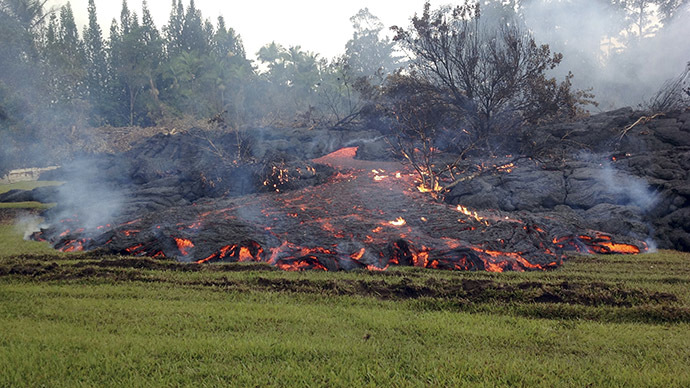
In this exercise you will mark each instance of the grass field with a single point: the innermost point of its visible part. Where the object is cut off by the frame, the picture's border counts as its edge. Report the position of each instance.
(91, 320)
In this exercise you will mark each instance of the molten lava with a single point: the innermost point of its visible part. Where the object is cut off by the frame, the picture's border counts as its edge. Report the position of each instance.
(364, 217)
(184, 245)
(398, 222)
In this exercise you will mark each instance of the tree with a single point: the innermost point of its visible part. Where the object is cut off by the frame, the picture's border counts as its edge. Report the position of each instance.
(193, 36)
(65, 73)
(20, 22)
(495, 78)
(420, 118)
(173, 30)
(232, 73)
(135, 55)
(669, 9)
(20, 89)
(96, 63)
(646, 17)
(367, 54)
(293, 78)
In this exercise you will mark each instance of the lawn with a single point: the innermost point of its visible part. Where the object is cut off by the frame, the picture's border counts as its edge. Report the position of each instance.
(92, 320)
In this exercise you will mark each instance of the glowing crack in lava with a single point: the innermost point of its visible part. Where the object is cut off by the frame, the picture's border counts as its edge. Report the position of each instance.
(369, 215)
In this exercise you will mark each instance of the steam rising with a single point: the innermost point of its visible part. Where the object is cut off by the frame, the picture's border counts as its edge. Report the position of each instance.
(28, 225)
(630, 190)
(86, 197)
(587, 33)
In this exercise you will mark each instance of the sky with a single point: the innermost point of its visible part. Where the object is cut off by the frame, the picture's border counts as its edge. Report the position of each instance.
(315, 25)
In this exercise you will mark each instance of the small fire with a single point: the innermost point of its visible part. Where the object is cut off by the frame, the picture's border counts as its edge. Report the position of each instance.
(506, 167)
(620, 248)
(184, 245)
(472, 214)
(423, 188)
(398, 222)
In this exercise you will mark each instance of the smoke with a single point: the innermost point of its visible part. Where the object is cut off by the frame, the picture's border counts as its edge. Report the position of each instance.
(28, 224)
(631, 191)
(87, 197)
(604, 55)
(618, 186)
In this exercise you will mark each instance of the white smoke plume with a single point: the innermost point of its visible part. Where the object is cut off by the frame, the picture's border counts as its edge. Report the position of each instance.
(621, 69)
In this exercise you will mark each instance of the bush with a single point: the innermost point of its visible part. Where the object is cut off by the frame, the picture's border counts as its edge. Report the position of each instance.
(494, 77)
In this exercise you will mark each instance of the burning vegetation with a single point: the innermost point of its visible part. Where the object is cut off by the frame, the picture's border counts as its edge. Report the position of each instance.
(368, 215)
(469, 158)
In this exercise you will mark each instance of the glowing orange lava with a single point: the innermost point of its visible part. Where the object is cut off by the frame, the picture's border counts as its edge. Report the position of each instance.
(398, 222)
(184, 245)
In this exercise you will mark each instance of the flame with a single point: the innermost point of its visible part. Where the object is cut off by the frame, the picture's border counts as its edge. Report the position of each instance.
(248, 251)
(371, 267)
(420, 259)
(423, 188)
(506, 167)
(184, 245)
(398, 222)
(472, 214)
(621, 248)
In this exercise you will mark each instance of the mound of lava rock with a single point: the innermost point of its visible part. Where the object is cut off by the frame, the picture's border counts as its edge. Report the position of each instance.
(623, 172)
(363, 217)
(303, 199)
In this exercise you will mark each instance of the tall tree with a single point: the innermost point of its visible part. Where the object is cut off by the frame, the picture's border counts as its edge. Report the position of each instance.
(152, 44)
(96, 62)
(173, 30)
(64, 53)
(367, 53)
(134, 50)
(193, 37)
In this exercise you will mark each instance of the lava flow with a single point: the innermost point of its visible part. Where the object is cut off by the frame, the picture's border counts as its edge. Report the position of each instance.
(369, 215)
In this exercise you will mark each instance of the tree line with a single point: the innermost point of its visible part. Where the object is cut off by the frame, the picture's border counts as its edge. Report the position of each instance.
(476, 66)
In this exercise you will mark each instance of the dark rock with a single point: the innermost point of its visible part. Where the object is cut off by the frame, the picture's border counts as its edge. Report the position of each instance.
(625, 220)
(44, 194)
(535, 189)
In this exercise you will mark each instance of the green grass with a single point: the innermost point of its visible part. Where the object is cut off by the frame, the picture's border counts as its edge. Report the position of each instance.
(30, 185)
(12, 243)
(85, 320)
